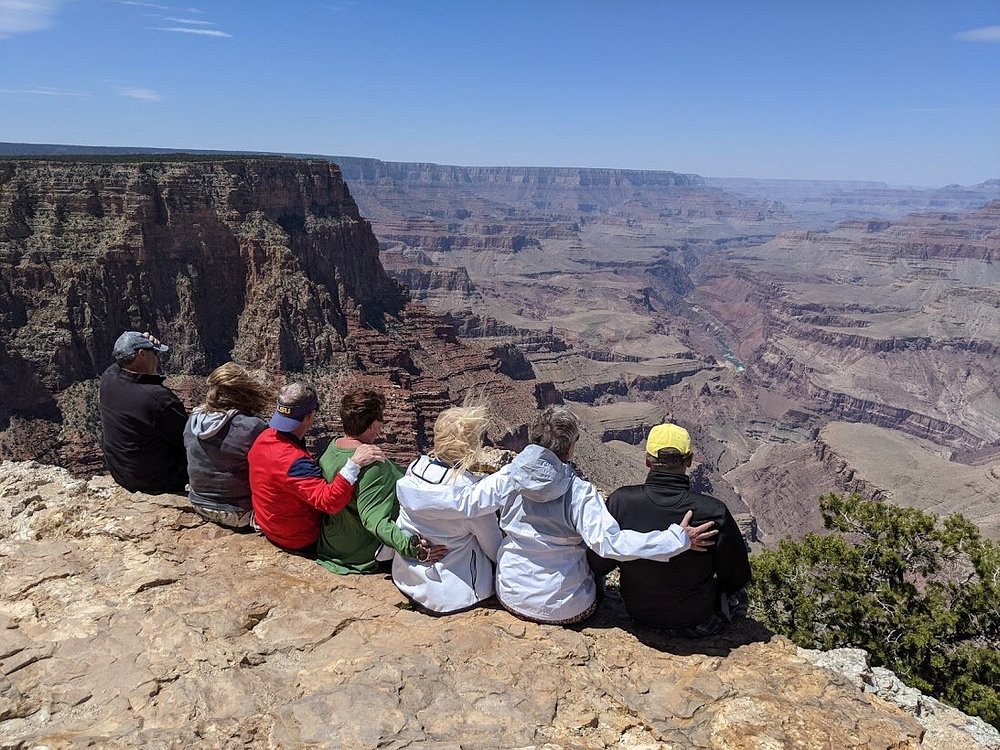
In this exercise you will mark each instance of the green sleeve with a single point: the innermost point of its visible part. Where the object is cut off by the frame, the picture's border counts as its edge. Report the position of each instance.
(377, 507)
(331, 461)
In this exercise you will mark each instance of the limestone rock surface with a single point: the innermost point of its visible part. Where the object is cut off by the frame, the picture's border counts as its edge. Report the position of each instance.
(126, 621)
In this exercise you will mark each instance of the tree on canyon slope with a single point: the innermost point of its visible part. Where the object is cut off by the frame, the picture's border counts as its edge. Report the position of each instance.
(920, 593)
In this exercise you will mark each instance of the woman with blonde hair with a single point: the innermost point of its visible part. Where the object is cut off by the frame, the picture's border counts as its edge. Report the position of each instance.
(217, 436)
(440, 499)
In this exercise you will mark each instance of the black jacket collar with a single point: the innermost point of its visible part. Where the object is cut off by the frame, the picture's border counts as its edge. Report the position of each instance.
(668, 482)
(137, 377)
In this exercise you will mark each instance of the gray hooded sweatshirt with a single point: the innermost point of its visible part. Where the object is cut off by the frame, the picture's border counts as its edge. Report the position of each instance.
(551, 520)
(217, 445)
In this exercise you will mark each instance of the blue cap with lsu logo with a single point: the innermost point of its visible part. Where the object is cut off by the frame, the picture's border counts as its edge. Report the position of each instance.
(289, 417)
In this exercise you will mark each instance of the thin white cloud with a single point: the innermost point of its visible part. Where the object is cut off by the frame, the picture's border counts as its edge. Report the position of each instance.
(927, 109)
(186, 30)
(24, 16)
(140, 94)
(139, 4)
(192, 21)
(984, 34)
(42, 92)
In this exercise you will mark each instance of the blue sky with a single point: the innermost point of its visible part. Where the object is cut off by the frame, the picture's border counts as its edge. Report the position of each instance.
(904, 92)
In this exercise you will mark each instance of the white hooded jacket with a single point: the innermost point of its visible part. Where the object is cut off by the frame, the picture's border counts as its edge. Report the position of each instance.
(459, 512)
(551, 519)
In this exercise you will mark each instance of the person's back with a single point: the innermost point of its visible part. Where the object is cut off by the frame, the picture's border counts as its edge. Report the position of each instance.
(288, 491)
(551, 521)
(434, 503)
(217, 444)
(142, 420)
(690, 593)
(350, 540)
(541, 566)
(218, 436)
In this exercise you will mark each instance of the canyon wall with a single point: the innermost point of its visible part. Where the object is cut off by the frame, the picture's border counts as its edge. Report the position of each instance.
(746, 318)
(266, 261)
(729, 309)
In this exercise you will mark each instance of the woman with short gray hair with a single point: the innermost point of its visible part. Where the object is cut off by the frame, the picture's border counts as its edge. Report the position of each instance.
(554, 517)
(558, 429)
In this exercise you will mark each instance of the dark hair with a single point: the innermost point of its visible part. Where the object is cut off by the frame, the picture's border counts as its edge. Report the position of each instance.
(670, 459)
(556, 428)
(360, 408)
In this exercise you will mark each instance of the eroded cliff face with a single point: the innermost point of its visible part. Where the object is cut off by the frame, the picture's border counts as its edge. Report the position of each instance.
(891, 325)
(264, 261)
(126, 620)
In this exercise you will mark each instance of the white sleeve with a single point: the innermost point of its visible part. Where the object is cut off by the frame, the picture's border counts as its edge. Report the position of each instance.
(601, 532)
(350, 471)
(487, 532)
(488, 495)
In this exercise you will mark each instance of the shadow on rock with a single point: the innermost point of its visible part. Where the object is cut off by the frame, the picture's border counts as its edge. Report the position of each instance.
(612, 614)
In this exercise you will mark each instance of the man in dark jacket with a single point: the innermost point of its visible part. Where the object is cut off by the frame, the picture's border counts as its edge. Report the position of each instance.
(693, 595)
(143, 421)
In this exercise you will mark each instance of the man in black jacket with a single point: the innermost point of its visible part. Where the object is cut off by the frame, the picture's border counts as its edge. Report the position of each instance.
(143, 421)
(694, 595)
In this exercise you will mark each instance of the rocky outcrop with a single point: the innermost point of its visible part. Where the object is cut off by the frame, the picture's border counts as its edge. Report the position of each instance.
(125, 620)
(846, 477)
(262, 257)
(262, 260)
(946, 726)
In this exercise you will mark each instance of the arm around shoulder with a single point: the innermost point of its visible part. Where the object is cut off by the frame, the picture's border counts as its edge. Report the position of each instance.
(306, 480)
(488, 495)
(602, 534)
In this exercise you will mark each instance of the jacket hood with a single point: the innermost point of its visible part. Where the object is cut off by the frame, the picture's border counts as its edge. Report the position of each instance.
(205, 424)
(429, 487)
(539, 474)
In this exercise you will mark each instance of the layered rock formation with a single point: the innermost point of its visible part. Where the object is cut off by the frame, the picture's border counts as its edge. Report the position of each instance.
(889, 324)
(266, 261)
(609, 287)
(766, 330)
(126, 621)
(824, 203)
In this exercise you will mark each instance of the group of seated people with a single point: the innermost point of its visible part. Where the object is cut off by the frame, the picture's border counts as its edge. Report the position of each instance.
(533, 534)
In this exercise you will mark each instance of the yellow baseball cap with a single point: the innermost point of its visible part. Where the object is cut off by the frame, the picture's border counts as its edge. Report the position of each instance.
(668, 436)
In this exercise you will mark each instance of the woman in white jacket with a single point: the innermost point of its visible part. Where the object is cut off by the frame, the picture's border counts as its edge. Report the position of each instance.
(551, 519)
(440, 499)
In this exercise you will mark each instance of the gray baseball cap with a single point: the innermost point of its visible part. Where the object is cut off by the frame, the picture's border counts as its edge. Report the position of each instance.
(132, 341)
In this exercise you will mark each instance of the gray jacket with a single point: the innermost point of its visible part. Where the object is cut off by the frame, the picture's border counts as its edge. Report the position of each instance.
(550, 522)
(217, 446)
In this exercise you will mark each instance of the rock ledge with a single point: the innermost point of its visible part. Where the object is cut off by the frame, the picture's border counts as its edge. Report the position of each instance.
(127, 621)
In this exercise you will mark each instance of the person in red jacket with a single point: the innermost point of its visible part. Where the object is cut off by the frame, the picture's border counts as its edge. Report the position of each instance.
(289, 492)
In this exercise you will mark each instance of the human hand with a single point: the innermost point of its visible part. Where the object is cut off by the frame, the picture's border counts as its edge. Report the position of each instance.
(368, 454)
(428, 552)
(152, 339)
(700, 536)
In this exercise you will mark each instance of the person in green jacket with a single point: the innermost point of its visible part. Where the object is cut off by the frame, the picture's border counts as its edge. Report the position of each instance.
(350, 540)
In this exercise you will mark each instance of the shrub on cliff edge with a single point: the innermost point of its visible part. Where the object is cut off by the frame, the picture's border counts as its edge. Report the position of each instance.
(921, 594)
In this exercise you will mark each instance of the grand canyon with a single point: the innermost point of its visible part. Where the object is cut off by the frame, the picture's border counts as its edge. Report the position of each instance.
(809, 350)
(814, 337)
